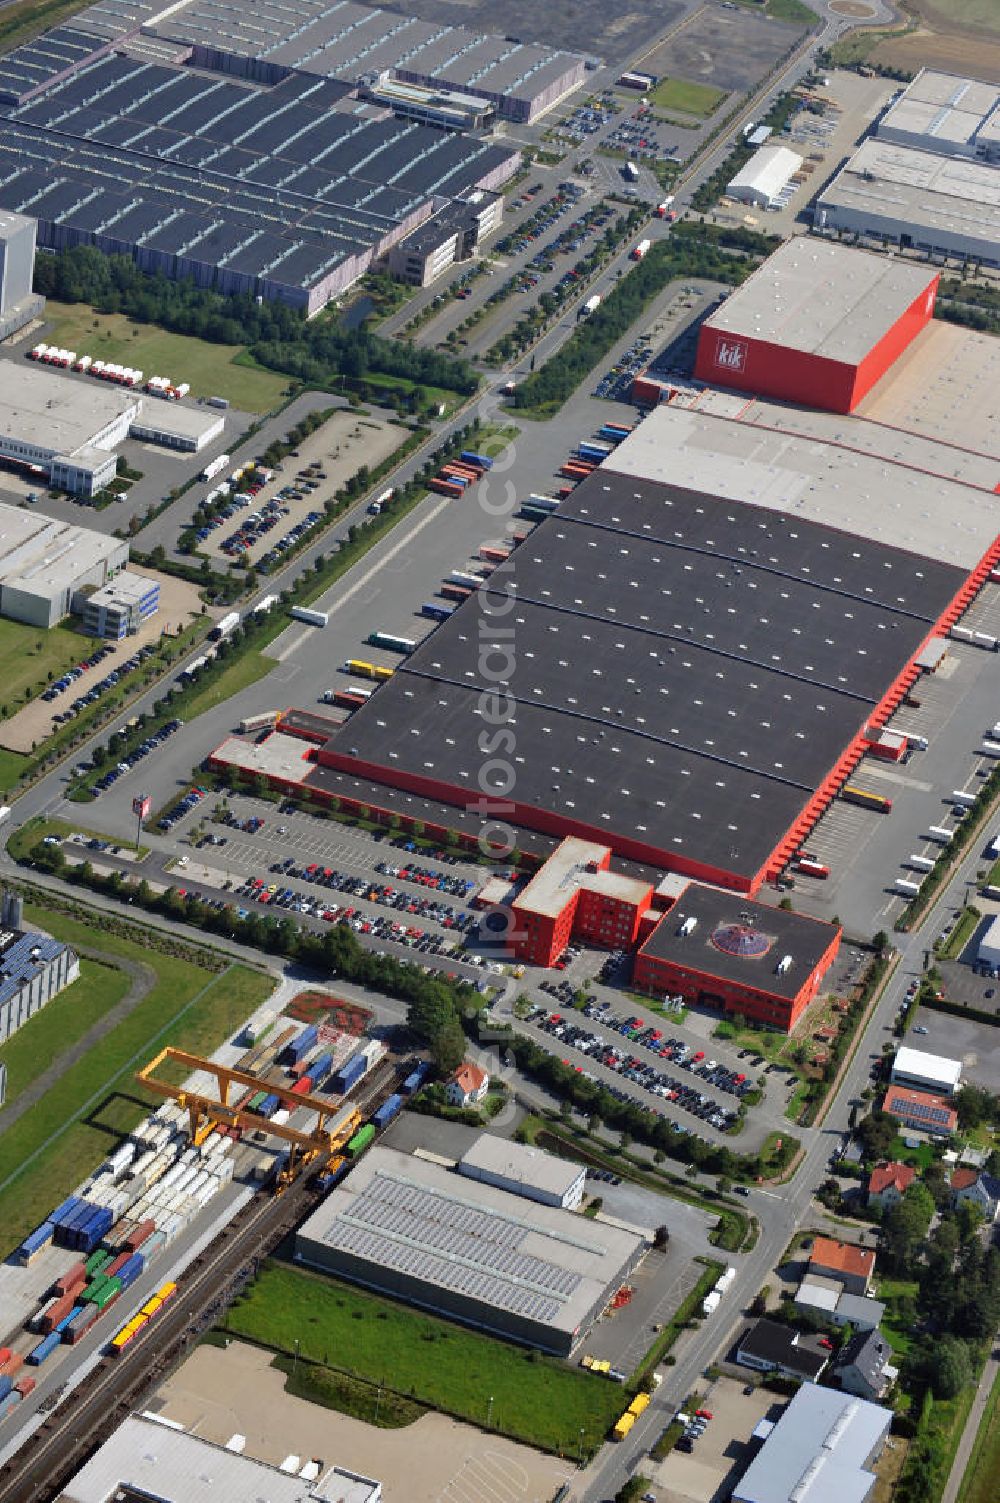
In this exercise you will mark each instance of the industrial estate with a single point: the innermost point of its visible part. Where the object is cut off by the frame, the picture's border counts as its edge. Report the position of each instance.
(499, 753)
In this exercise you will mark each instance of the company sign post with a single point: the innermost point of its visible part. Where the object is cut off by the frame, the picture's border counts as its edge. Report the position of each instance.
(141, 805)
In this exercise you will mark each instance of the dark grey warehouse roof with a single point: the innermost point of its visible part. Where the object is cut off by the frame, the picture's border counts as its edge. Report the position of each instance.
(725, 935)
(281, 184)
(685, 670)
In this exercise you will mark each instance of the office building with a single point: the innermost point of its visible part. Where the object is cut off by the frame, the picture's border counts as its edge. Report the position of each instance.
(60, 431)
(121, 607)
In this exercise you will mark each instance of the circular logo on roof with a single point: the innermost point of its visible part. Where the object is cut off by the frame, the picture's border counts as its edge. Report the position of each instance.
(742, 941)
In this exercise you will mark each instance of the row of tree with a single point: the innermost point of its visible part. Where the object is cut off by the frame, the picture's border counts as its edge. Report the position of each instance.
(319, 352)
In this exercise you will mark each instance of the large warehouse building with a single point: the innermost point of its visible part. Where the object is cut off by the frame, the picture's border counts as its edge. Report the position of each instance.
(34, 968)
(418, 1231)
(942, 205)
(775, 584)
(943, 113)
(818, 323)
(49, 568)
(824, 1448)
(62, 431)
(763, 179)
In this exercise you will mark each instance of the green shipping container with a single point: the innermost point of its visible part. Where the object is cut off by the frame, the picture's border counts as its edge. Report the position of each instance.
(97, 1260)
(361, 1139)
(255, 1101)
(107, 1292)
(94, 1287)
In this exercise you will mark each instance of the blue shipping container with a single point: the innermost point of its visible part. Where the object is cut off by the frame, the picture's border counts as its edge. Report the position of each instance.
(130, 1271)
(410, 1084)
(387, 1111)
(320, 1069)
(6, 1384)
(268, 1106)
(62, 1211)
(348, 1075)
(469, 456)
(44, 1349)
(67, 1318)
(300, 1046)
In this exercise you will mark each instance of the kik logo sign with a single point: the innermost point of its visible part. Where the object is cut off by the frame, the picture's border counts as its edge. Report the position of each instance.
(731, 354)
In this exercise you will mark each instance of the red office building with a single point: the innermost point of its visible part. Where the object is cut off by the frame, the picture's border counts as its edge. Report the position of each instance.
(575, 896)
(719, 950)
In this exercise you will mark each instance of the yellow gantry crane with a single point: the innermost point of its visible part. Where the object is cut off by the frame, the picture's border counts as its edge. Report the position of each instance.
(334, 1124)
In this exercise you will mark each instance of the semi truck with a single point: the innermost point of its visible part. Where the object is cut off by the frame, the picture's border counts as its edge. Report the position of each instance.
(851, 794)
(640, 250)
(310, 617)
(591, 305)
(215, 467)
(225, 626)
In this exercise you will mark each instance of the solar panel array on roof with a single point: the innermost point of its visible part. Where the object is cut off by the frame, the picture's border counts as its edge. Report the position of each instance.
(22, 961)
(686, 672)
(43, 59)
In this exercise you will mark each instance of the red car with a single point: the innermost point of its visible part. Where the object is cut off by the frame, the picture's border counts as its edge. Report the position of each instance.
(825, 1341)
(703, 1414)
(699, 1056)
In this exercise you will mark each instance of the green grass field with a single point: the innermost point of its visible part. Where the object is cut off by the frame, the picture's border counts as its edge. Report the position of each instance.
(60, 1023)
(241, 673)
(535, 1399)
(210, 369)
(12, 765)
(979, 1485)
(28, 835)
(690, 98)
(29, 656)
(79, 1120)
(897, 1326)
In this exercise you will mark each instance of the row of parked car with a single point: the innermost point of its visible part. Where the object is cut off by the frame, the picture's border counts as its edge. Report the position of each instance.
(289, 540)
(641, 1032)
(377, 892)
(72, 674)
(630, 1067)
(190, 800)
(102, 687)
(519, 240)
(141, 752)
(695, 1426)
(273, 895)
(425, 876)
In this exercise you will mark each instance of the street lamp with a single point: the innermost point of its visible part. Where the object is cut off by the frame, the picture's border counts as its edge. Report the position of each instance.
(489, 1412)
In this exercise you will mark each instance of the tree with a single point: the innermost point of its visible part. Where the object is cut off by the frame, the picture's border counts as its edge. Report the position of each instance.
(949, 1368)
(905, 1228)
(876, 1134)
(880, 942)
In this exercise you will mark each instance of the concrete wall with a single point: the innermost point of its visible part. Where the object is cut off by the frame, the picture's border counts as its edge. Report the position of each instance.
(32, 997)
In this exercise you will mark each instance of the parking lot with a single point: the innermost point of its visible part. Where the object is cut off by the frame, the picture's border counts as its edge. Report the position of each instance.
(723, 1450)
(976, 1044)
(666, 347)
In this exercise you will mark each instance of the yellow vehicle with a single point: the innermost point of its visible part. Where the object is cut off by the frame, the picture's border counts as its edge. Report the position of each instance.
(624, 1425)
(381, 674)
(639, 1404)
(359, 667)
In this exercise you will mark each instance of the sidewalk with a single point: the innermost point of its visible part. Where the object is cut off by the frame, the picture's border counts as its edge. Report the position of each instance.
(971, 1430)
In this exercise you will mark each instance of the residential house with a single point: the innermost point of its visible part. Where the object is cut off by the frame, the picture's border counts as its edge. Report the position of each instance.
(975, 1187)
(863, 1366)
(888, 1183)
(770, 1347)
(921, 1111)
(850, 1265)
(468, 1085)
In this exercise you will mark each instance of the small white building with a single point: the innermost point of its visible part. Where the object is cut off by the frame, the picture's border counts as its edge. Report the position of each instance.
(926, 1072)
(524, 1171)
(765, 176)
(467, 1086)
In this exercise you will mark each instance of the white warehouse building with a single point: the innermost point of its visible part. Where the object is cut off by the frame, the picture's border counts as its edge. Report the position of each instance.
(926, 1072)
(942, 205)
(48, 567)
(947, 114)
(33, 969)
(62, 430)
(765, 176)
(524, 1171)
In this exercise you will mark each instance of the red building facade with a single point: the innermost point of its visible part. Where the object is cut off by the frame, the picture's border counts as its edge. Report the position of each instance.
(575, 895)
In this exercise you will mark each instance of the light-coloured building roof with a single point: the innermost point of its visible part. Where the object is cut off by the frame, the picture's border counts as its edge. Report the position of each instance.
(409, 1217)
(767, 172)
(175, 420)
(822, 298)
(806, 471)
(53, 412)
(124, 590)
(575, 863)
(926, 194)
(518, 1163)
(860, 1308)
(818, 1451)
(39, 552)
(937, 1069)
(279, 756)
(176, 1467)
(819, 1294)
(943, 112)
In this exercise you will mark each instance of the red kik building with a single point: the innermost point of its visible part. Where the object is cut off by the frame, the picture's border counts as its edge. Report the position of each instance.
(574, 895)
(718, 950)
(818, 324)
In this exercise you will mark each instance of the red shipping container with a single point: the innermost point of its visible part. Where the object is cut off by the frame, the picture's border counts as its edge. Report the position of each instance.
(71, 1279)
(13, 1365)
(25, 1386)
(303, 1086)
(54, 1314)
(144, 1230)
(4, 1354)
(297, 1070)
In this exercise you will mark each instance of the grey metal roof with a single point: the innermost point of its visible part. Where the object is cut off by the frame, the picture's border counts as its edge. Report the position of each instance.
(180, 1468)
(518, 1163)
(414, 1218)
(818, 1452)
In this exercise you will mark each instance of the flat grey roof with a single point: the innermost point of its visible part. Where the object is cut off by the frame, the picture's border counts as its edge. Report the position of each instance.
(417, 1219)
(516, 1161)
(919, 190)
(173, 419)
(183, 1468)
(817, 1451)
(812, 476)
(567, 870)
(822, 298)
(947, 110)
(40, 553)
(55, 412)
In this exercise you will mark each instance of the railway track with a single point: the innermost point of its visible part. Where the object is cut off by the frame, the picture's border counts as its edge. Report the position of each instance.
(83, 1419)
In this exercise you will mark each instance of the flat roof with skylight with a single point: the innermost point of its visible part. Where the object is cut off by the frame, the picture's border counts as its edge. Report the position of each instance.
(822, 298)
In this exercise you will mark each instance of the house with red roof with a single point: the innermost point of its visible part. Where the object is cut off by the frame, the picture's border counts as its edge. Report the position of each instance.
(468, 1085)
(888, 1183)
